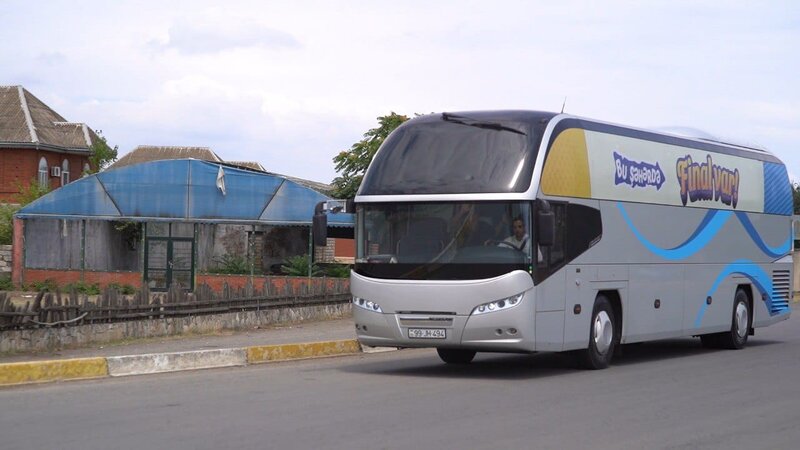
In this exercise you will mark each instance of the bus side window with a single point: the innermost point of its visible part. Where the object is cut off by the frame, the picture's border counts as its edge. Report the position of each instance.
(578, 227)
(553, 256)
(584, 230)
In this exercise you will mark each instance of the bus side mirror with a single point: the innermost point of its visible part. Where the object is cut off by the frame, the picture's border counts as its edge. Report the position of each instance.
(319, 226)
(545, 225)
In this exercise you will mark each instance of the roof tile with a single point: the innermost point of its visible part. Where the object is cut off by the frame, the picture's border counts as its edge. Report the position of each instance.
(49, 127)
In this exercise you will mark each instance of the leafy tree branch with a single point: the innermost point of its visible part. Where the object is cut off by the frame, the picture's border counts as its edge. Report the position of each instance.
(352, 164)
(102, 155)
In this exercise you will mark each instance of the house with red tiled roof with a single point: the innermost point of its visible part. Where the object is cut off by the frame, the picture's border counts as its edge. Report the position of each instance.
(38, 144)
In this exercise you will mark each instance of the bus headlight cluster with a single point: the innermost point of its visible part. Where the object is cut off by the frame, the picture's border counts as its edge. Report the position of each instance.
(367, 304)
(498, 305)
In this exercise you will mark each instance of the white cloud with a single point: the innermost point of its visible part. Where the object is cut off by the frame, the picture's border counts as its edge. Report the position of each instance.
(289, 84)
(189, 38)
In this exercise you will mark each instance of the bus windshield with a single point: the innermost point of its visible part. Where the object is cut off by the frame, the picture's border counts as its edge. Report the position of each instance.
(443, 240)
(454, 155)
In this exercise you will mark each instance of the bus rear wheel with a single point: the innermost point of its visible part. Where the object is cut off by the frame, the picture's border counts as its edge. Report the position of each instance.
(455, 356)
(603, 336)
(736, 338)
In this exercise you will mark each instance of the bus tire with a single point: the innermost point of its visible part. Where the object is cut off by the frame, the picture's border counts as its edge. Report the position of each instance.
(736, 338)
(603, 336)
(455, 356)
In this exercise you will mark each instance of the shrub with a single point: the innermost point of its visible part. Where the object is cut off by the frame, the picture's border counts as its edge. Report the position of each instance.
(124, 289)
(6, 284)
(297, 266)
(7, 224)
(338, 270)
(231, 265)
(47, 285)
(27, 194)
(83, 288)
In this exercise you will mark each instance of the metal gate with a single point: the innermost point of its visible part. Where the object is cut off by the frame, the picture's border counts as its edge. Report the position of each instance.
(169, 256)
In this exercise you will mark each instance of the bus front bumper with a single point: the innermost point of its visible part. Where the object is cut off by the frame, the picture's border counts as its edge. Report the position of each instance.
(499, 334)
(453, 322)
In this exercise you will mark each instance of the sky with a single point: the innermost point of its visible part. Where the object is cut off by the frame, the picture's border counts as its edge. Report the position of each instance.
(290, 84)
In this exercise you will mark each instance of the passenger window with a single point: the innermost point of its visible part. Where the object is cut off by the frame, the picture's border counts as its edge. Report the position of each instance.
(578, 227)
(552, 257)
(584, 229)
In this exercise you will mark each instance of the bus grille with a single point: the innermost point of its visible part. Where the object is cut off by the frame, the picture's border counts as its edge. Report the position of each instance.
(780, 291)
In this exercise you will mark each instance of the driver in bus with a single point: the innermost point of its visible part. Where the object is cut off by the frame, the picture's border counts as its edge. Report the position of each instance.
(520, 240)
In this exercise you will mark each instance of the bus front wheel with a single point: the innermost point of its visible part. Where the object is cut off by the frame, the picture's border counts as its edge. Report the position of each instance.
(603, 336)
(455, 356)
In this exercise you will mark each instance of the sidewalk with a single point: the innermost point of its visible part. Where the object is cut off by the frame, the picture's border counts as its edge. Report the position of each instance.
(188, 352)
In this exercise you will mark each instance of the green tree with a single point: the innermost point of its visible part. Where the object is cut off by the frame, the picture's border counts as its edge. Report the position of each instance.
(30, 192)
(102, 155)
(26, 195)
(796, 197)
(351, 164)
(7, 224)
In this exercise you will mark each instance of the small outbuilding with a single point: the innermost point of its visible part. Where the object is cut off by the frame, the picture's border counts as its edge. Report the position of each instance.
(167, 222)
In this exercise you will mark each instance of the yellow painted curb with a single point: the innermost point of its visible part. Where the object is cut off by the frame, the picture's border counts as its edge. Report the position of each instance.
(265, 353)
(55, 370)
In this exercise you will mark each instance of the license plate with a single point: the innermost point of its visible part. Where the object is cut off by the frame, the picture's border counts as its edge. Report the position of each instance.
(427, 333)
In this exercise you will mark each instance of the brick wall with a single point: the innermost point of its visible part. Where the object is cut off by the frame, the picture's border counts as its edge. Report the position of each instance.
(62, 277)
(345, 248)
(216, 282)
(21, 165)
(337, 250)
(325, 254)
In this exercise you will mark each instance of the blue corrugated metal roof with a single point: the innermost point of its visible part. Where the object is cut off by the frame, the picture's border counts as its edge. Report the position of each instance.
(184, 189)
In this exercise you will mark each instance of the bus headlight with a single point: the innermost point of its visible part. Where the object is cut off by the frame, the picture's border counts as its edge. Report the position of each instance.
(498, 305)
(367, 304)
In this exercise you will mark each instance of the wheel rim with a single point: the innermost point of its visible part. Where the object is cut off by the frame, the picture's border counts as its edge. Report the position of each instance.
(603, 332)
(741, 320)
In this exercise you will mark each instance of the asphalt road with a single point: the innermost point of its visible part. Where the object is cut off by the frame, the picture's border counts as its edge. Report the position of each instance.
(670, 394)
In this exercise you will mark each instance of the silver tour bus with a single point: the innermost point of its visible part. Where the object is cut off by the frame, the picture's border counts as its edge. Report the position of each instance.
(523, 231)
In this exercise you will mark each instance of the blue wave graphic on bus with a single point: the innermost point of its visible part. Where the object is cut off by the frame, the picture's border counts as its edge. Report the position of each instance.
(774, 252)
(706, 230)
(703, 234)
(754, 273)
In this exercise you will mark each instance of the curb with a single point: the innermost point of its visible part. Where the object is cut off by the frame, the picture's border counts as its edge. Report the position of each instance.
(56, 370)
(285, 352)
(120, 366)
(12, 374)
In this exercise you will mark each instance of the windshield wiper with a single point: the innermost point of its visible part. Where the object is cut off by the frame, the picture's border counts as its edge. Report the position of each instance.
(454, 118)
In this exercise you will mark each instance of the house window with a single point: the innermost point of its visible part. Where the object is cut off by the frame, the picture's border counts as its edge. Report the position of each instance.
(64, 172)
(44, 179)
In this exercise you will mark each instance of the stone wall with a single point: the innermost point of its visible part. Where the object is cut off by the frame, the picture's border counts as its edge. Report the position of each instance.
(49, 339)
(5, 258)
